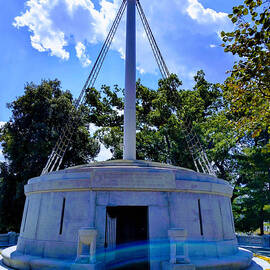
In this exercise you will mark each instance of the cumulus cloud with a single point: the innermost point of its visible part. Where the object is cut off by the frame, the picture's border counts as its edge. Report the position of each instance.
(204, 15)
(212, 46)
(45, 37)
(81, 54)
(55, 25)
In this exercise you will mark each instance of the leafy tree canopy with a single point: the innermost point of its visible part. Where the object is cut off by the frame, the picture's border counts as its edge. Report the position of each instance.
(248, 86)
(29, 137)
(251, 206)
(160, 120)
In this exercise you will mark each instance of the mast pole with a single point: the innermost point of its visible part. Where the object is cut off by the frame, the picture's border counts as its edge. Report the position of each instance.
(130, 84)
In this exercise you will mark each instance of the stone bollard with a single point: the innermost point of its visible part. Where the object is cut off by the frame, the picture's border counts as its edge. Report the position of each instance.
(12, 238)
(178, 261)
(178, 237)
(87, 236)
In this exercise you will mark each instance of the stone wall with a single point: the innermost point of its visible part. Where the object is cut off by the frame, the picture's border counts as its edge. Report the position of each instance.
(254, 240)
(8, 239)
(58, 205)
(51, 220)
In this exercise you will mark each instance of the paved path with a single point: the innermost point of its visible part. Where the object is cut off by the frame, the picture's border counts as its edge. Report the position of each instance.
(261, 264)
(257, 264)
(2, 266)
(258, 250)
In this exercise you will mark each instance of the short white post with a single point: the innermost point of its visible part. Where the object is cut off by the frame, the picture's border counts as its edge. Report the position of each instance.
(87, 236)
(178, 236)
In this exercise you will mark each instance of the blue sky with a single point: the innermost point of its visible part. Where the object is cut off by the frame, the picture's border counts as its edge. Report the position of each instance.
(61, 38)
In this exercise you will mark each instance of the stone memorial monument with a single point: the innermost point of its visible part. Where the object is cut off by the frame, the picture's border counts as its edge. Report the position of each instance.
(127, 214)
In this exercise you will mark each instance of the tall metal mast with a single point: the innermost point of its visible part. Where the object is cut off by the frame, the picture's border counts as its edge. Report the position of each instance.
(198, 154)
(130, 84)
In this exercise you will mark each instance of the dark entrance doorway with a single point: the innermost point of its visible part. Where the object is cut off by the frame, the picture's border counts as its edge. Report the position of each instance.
(130, 226)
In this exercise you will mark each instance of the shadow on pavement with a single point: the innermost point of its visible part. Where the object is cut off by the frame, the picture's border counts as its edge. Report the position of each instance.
(254, 266)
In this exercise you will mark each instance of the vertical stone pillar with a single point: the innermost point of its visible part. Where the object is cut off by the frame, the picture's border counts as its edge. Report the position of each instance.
(130, 84)
(92, 214)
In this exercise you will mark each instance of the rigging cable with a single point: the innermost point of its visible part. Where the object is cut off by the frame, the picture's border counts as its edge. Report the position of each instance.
(197, 152)
(199, 156)
(56, 157)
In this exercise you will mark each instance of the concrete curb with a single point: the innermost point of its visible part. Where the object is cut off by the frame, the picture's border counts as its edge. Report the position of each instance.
(259, 264)
(240, 260)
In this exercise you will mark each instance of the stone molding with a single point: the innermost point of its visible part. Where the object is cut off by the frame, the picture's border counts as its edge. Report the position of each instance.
(128, 176)
(27, 193)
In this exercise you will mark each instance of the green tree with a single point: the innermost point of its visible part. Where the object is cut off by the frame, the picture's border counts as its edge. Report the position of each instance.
(160, 115)
(106, 112)
(29, 137)
(252, 203)
(248, 86)
(247, 96)
(158, 121)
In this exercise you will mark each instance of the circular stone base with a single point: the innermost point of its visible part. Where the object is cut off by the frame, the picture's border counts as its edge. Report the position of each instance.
(241, 260)
(163, 199)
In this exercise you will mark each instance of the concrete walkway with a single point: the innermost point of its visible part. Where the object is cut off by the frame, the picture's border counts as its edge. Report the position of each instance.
(257, 264)
(257, 250)
(2, 266)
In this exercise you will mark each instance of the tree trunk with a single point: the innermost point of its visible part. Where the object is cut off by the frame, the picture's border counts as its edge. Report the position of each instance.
(168, 148)
(261, 222)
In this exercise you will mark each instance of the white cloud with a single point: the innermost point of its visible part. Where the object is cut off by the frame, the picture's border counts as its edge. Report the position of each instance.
(141, 70)
(1, 155)
(104, 154)
(92, 128)
(1, 152)
(212, 46)
(191, 74)
(56, 24)
(204, 15)
(81, 54)
(120, 112)
(45, 37)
